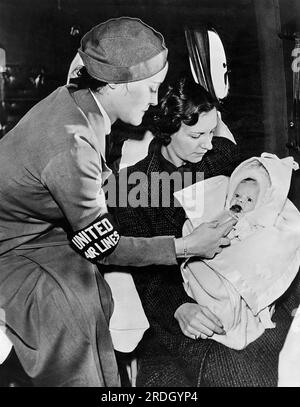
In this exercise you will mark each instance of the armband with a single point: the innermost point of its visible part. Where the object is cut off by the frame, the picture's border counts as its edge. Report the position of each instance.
(97, 240)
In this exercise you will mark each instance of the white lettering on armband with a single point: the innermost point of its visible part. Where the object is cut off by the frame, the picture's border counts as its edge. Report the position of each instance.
(97, 240)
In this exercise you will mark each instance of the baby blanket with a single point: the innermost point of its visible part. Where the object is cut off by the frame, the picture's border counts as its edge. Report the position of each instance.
(242, 282)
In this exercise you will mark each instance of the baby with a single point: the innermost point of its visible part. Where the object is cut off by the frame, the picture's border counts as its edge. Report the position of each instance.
(244, 199)
(241, 284)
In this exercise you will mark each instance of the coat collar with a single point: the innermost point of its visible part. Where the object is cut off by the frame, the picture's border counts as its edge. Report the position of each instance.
(107, 122)
(86, 102)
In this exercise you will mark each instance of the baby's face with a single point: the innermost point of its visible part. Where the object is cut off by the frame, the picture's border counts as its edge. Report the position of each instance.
(245, 197)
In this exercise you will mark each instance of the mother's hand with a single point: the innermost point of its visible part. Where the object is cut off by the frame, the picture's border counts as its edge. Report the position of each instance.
(198, 321)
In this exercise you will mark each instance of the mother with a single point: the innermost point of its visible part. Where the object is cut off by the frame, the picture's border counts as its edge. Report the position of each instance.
(175, 351)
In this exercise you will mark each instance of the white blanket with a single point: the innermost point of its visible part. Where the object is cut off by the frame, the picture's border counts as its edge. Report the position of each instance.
(289, 358)
(242, 282)
(5, 343)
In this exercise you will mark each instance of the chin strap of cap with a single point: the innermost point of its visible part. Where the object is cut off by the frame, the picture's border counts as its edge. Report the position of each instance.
(98, 239)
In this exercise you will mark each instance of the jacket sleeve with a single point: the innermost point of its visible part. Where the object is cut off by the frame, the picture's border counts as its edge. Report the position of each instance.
(142, 251)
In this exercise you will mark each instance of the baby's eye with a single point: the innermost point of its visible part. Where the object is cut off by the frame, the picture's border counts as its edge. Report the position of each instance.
(249, 199)
(153, 90)
(236, 195)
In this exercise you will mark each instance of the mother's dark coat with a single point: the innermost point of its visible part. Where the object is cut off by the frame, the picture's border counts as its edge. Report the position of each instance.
(166, 356)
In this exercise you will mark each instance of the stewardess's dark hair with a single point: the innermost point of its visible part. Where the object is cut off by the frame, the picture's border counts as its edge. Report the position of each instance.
(84, 80)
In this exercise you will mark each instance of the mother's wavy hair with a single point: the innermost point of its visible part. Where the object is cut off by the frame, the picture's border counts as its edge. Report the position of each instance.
(183, 102)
